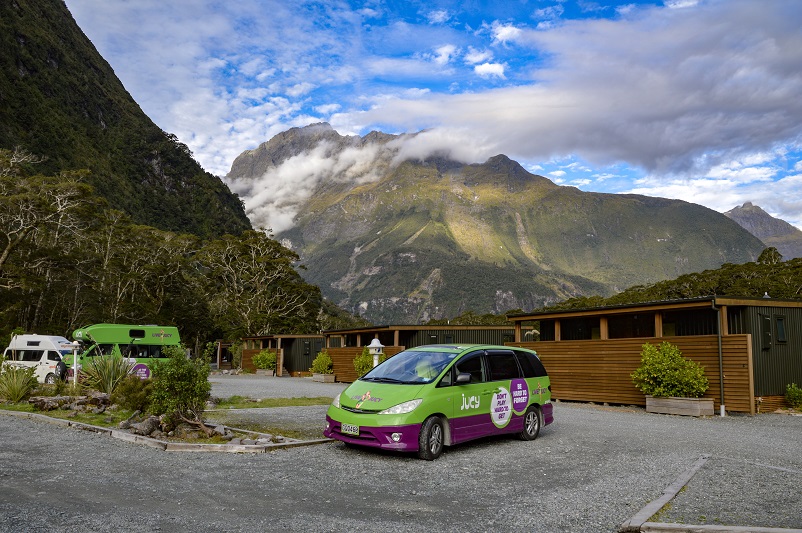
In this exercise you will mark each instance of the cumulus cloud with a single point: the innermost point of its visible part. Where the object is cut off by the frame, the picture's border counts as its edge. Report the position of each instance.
(444, 54)
(667, 90)
(487, 70)
(504, 33)
(474, 56)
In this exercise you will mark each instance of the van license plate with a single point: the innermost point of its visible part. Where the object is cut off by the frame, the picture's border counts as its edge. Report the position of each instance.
(350, 429)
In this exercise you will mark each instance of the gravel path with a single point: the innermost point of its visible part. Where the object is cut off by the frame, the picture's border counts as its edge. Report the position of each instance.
(590, 471)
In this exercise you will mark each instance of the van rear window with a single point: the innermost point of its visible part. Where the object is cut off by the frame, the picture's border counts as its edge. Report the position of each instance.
(530, 365)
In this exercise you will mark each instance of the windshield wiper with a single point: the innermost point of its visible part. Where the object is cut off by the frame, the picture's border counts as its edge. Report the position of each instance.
(384, 379)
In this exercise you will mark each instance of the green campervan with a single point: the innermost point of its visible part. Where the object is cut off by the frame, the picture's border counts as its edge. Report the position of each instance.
(141, 345)
(428, 397)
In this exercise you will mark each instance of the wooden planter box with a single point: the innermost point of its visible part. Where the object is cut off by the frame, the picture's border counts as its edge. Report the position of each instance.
(680, 406)
(323, 378)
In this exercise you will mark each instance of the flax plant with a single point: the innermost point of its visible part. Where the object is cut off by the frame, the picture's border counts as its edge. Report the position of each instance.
(105, 373)
(17, 383)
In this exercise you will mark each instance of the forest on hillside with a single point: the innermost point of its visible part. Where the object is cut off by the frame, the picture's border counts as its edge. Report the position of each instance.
(769, 276)
(69, 260)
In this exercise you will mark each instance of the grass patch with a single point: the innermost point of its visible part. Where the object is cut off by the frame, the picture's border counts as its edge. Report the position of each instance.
(241, 402)
(111, 419)
(107, 419)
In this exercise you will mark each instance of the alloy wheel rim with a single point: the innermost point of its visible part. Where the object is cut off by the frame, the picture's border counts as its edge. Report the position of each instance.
(436, 439)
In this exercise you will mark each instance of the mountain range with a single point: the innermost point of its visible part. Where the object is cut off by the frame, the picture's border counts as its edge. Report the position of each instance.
(387, 233)
(400, 240)
(60, 100)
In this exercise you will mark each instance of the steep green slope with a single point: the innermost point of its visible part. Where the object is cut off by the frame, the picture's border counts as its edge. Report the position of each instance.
(436, 238)
(60, 99)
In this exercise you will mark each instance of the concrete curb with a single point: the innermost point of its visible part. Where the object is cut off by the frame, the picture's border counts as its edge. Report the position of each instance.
(639, 523)
(634, 524)
(165, 445)
(658, 527)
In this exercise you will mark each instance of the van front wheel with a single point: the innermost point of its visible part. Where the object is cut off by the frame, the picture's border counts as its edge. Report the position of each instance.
(430, 440)
(50, 379)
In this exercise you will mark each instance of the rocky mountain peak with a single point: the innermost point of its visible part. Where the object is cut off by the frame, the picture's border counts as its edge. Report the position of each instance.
(772, 231)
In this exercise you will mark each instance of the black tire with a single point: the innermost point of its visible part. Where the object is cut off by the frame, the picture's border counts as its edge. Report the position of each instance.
(61, 370)
(533, 419)
(50, 379)
(431, 439)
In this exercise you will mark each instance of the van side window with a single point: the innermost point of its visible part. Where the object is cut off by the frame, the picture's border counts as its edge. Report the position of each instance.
(53, 356)
(502, 365)
(472, 364)
(448, 379)
(531, 365)
(31, 355)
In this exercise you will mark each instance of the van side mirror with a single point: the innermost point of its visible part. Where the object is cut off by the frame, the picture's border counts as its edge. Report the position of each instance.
(463, 377)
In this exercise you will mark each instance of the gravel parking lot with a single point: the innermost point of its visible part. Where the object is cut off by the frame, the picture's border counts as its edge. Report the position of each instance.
(590, 471)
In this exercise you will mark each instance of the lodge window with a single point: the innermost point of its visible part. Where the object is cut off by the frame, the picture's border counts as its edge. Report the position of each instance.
(765, 326)
(631, 326)
(579, 329)
(779, 327)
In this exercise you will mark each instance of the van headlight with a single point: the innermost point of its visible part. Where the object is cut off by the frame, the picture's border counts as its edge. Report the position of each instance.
(336, 401)
(402, 408)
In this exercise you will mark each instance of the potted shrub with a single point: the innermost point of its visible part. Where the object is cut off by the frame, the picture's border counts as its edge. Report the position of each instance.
(323, 368)
(265, 361)
(672, 384)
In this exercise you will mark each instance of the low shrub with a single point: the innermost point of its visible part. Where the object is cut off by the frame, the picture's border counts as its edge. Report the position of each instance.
(322, 364)
(364, 363)
(17, 383)
(665, 372)
(133, 393)
(180, 386)
(105, 373)
(265, 360)
(793, 395)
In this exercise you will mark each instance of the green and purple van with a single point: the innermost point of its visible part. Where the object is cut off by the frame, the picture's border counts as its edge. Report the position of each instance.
(428, 397)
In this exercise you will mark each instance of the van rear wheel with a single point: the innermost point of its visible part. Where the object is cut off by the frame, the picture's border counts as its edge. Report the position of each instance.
(532, 423)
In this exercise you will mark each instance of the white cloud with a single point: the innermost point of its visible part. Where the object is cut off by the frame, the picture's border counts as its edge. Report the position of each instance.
(439, 16)
(487, 70)
(444, 54)
(328, 109)
(504, 33)
(273, 200)
(474, 56)
(299, 89)
(671, 91)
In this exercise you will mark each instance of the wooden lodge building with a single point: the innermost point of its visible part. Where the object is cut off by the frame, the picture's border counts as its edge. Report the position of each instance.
(294, 353)
(751, 348)
(345, 344)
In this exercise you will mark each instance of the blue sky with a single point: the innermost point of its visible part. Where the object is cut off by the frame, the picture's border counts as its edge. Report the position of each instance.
(694, 100)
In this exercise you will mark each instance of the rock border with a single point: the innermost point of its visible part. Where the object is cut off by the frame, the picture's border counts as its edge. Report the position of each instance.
(166, 445)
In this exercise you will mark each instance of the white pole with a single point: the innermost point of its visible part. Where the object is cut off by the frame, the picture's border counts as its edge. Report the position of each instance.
(75, 365)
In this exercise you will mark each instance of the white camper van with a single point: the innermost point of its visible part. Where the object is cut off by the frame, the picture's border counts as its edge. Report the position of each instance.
(42, 352)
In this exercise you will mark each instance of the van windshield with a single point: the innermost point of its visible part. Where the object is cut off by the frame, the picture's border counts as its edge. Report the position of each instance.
(410, 367)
